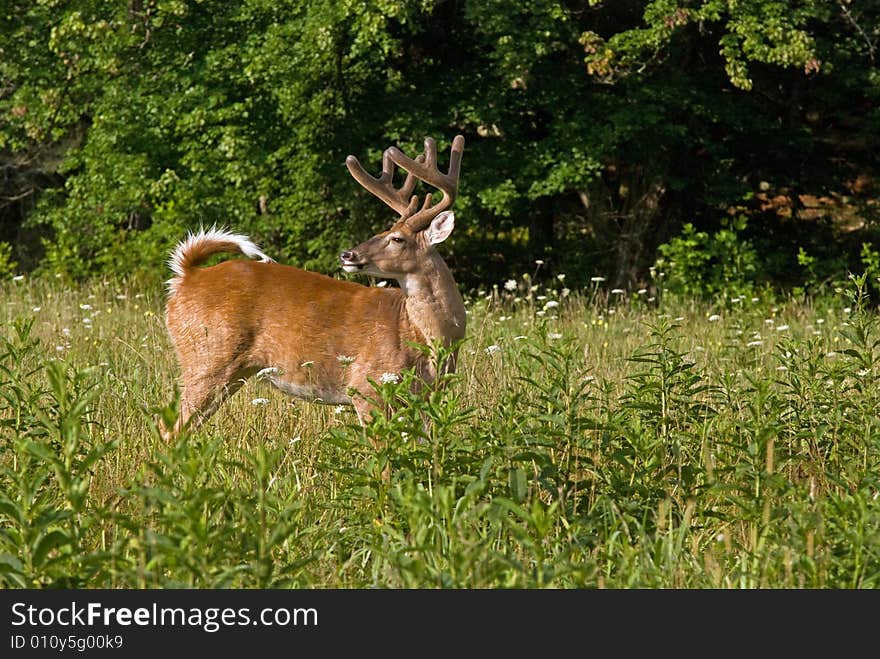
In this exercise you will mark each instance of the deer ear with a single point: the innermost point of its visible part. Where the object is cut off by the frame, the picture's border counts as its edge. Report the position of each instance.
(440, 227)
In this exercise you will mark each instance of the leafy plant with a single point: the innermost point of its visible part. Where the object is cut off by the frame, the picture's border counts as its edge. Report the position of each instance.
(700, 264)
(48, 470)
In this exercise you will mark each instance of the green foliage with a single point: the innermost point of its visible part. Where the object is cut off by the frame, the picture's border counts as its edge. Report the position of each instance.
(196, 502)
(594, 442)
(760, 31)
(700, 264)
(590, 132)
(49, 456)
(871, 263)
(7, 265)
(821, 269)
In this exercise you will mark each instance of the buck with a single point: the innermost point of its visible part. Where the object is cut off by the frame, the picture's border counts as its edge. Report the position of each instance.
(312, 336)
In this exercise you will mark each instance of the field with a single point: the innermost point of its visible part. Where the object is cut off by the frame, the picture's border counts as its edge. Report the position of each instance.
(591, 439)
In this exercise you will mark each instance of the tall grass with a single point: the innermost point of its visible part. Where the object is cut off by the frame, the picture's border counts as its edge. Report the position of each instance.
(589, 439)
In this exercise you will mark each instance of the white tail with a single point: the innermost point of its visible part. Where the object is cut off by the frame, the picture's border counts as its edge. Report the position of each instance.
(312, 336)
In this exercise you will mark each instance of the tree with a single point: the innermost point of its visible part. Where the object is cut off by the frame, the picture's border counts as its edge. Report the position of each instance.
(595, 130)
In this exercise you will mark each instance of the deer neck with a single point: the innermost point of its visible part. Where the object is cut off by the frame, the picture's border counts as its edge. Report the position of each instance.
(433, 303)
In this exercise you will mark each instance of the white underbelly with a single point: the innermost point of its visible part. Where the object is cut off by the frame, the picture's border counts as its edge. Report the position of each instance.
(310, 392)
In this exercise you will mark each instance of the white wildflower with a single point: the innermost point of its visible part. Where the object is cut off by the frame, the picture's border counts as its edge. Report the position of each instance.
(714, 318)
(339, 409)
(85, 307)
(260, 401)
(510, 285)
(36, 309)
(520, 337)
(345, 360)
(539, 262)
(642, 291)
(551, 304)
(597, 280)
(617, 291)
(752, 344)
(781, 328)
(389, 378)
(554, 336)
(18, 278)
(307, 364)
(492, 349)
(382, 284)
(272, 370)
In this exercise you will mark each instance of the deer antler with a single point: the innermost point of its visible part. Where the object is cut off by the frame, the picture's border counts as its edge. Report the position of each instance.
(424, 168)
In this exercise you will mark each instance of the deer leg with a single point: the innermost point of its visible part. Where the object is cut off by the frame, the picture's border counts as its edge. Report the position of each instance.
(202, 394)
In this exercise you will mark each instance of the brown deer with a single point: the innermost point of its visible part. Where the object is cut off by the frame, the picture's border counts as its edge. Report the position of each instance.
(312, 336)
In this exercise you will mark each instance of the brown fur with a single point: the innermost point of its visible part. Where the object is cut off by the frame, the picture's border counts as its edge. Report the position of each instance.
(229, 321)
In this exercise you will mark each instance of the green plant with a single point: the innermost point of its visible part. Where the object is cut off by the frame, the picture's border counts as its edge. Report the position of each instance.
(700, 264)
(596, 442)
(7, 265)
(50, 454)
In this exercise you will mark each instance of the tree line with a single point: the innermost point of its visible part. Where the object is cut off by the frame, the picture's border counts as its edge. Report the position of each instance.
(598, 133)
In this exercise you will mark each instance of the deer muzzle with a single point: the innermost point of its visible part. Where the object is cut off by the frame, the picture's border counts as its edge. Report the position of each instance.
(351, 261)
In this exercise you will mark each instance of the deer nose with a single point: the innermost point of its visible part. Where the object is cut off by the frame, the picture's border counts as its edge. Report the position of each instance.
(349, 255)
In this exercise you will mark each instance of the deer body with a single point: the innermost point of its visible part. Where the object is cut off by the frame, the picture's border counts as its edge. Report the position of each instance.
(312, 336)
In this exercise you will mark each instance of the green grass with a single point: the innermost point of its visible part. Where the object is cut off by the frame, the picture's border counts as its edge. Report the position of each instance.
(590, 439)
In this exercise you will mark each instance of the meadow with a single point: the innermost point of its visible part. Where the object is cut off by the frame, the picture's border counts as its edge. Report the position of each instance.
(591, 439)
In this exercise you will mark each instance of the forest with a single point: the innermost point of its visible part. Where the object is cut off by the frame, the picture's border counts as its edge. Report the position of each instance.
(735, 142)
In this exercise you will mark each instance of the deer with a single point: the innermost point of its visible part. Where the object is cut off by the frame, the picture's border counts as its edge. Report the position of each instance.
(312, 336)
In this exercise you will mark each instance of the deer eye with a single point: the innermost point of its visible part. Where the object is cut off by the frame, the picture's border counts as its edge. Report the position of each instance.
(397, 239)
